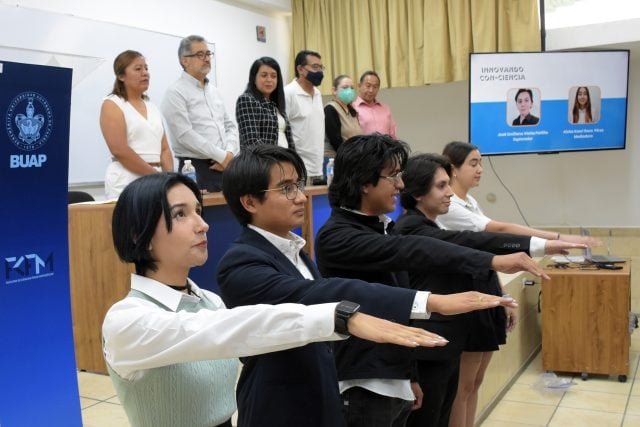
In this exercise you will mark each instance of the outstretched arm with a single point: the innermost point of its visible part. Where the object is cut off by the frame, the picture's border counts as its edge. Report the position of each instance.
(507, 227)
(466, 301)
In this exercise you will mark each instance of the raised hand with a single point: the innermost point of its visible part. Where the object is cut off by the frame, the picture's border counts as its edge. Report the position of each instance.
(561, 246)
(383, 331)
(466, 301)
(516, 262)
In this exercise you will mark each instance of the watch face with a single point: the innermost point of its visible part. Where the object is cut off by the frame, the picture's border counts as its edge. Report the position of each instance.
(348, 307)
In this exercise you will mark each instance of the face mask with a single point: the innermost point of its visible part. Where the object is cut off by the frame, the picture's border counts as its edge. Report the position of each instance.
(347, 95)
(315, 77)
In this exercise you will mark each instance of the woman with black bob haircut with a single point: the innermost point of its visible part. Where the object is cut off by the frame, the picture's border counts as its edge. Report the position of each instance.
(168, 334)
(260, 110)
(418, 177)
(251, 173)
(343, 191)
(134, 223)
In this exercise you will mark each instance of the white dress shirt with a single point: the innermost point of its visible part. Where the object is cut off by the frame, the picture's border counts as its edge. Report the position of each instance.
(306, 117)
(140, 335)
(198, 123)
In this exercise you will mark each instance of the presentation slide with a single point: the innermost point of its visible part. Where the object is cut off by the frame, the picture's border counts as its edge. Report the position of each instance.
(548, 101)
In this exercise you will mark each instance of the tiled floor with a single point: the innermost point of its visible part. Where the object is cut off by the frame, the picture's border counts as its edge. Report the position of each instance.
(600, 401)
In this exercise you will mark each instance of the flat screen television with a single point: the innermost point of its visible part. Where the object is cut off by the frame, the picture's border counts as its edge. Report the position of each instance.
(548, 102)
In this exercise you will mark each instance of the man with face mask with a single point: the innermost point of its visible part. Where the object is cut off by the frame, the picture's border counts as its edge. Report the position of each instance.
(306, 115)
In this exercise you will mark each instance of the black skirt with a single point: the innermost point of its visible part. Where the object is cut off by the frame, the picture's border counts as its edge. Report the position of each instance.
(487, 328)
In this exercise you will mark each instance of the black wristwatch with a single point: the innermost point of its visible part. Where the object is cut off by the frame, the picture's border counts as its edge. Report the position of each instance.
(344, 311)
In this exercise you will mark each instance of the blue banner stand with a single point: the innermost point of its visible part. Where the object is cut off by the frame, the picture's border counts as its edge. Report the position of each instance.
(37, 362)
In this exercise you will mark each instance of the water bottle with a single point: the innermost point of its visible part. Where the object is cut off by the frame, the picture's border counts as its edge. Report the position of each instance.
(189, 170)
(329, 171)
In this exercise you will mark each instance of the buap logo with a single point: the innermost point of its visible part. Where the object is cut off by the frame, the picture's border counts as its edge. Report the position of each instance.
(29, 121)
(27, 267)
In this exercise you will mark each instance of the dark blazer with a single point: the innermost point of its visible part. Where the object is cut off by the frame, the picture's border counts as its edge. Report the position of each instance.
(445, 281)
(529, 120)
(296, 387)
(258, 122)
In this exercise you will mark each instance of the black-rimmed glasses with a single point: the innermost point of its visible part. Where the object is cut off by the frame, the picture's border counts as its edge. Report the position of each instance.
(396, 177)
(200, 55)
(289, 190)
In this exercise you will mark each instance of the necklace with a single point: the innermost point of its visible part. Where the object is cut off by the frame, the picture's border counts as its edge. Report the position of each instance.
(186, 287)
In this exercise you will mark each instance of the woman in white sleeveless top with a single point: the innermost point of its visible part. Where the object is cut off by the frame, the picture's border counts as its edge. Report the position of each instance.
(132, 126)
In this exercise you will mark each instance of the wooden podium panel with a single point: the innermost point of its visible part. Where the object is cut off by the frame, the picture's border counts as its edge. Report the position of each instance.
(98, 280)
(585, 321)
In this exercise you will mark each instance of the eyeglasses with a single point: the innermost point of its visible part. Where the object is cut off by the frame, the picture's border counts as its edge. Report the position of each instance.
(200, 55)
(396, 177)
(316, 67)
(289, 190)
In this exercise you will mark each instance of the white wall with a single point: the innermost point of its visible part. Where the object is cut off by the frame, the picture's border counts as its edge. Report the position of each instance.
(599, 189)
(232, 29)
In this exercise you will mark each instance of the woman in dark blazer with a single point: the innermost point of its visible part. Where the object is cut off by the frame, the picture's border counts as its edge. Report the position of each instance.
(260, 110)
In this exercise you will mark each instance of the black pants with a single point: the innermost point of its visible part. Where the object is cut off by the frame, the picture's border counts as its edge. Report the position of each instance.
(208, 179)
(439, 383)
(364, 408)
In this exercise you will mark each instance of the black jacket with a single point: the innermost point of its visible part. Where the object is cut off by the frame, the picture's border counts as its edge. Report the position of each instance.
(353, 245)
(445, 281)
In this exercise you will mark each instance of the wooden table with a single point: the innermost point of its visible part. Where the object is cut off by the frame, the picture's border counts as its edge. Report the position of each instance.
(585, 321)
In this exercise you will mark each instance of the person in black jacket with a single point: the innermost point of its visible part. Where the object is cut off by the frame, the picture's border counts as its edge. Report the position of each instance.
(356, 242)
(264, 188)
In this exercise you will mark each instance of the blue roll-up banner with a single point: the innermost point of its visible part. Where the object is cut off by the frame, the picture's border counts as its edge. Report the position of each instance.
(37, 362)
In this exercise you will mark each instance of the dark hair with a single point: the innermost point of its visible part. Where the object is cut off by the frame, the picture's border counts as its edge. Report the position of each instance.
(369, 73)
(418, 176)
(301, 59)
(358, 162)
(338, 79)
(529, 91)
(137, 212)
(249, 173)
(457, 152)
(588, 118)
(120, 64)
(277, 96)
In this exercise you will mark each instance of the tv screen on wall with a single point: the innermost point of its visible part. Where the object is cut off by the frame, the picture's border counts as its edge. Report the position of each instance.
(547, 102)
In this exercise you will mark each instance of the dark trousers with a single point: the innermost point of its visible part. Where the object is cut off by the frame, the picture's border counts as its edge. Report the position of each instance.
(208, 179)
(439, 383)
(364, 408)
(225, 424)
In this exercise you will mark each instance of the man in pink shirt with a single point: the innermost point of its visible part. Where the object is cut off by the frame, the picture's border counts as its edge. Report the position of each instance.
(373, 115)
